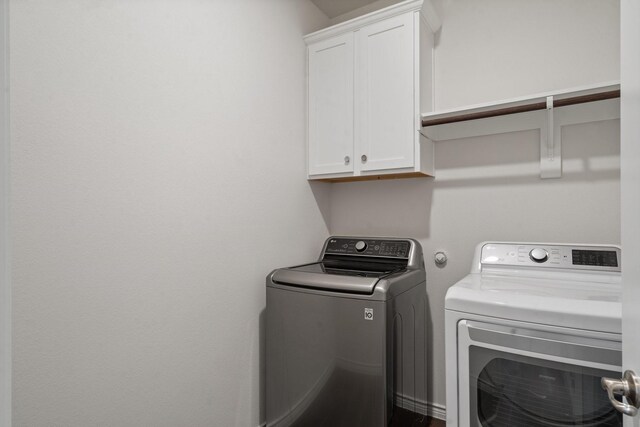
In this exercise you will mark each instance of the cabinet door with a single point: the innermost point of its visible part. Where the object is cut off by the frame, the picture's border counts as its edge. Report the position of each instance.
(385, 119)
(330, 112)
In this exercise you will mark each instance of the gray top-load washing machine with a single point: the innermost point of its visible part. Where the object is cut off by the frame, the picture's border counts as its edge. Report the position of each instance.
(346, 335)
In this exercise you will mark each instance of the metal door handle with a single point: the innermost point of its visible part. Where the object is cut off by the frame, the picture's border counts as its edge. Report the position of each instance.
(629, 387)
(364, 158)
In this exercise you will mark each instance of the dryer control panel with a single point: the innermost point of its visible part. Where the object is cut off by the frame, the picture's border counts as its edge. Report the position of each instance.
(573, 257)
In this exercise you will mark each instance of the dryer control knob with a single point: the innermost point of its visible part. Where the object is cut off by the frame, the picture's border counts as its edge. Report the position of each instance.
(361, 246)
(538, 255)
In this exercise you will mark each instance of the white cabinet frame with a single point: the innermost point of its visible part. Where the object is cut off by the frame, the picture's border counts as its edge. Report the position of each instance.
(393, 85)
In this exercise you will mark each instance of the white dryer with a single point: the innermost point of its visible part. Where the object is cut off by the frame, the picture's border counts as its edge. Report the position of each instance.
(529, 334)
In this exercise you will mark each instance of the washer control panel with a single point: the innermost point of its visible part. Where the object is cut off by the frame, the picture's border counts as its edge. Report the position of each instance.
(368, 247)
(602, 258)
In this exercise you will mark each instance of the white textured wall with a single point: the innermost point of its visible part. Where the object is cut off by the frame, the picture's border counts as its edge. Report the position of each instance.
(488, 188)
(499, 49)
(158, 169)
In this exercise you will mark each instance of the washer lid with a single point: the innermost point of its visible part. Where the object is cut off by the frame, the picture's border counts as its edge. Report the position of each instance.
(306, 277)
(574, 304)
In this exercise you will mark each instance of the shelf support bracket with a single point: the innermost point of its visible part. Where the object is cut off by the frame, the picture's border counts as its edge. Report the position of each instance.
(550, 145)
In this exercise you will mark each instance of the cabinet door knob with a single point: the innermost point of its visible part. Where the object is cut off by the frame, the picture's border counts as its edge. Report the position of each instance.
(364, 158)
(346, 160)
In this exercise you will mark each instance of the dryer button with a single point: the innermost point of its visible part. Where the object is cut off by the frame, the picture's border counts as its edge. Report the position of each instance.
(538, 255)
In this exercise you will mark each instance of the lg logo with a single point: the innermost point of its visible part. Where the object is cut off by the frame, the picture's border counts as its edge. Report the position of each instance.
(368, 314)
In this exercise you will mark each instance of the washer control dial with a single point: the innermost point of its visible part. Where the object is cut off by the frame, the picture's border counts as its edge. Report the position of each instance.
(361, 246)
(538, 255)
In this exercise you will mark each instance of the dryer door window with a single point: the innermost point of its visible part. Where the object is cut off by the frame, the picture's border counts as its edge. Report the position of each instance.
(523, 375)
(512, 390)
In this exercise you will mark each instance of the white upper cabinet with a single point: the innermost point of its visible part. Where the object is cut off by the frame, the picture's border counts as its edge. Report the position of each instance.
(384, 94)
(368, 80)
(330, 124)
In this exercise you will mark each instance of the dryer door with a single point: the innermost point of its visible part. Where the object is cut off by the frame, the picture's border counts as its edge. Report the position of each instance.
(515, 376)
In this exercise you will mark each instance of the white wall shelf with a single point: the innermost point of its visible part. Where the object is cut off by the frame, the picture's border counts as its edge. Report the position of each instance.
(548, 112)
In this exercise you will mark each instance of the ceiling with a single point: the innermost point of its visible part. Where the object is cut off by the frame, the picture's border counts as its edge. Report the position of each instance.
(333, 8)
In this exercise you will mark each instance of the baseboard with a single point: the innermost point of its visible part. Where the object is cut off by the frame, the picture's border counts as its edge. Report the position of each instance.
(434, 410)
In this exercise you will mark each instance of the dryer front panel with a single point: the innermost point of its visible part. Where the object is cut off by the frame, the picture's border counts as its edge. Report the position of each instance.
(516, 376)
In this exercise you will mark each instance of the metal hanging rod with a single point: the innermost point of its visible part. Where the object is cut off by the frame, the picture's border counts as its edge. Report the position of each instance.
(534, 106)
